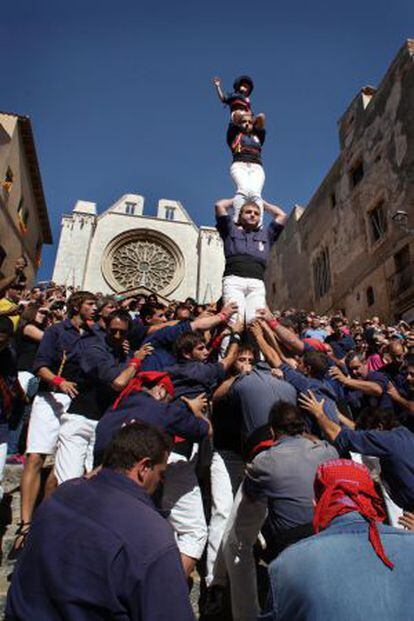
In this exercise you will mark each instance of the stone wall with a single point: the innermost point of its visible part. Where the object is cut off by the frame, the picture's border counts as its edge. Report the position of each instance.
(373, 173)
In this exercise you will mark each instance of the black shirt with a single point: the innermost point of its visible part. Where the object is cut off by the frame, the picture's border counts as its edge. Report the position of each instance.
(26, 350)
(245, 147)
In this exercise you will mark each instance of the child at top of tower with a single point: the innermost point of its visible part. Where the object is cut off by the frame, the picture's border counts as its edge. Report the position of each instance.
(239, 99)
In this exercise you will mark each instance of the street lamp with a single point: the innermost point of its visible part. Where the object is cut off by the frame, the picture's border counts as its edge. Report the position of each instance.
(400, 218)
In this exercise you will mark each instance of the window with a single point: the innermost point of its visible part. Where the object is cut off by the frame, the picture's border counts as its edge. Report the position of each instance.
(404, 273)
(332, 199)
(378, 222)
(22, 216)
(370, 296)
(357, 172)
(130, 208)
(321, 273)
(169, 213)
(402, 258)
(8, 180)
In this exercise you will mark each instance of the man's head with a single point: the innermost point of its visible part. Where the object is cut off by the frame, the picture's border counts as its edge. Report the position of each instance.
(36, 294)
(139, 451)
(106, 305)
(245, 359)
(82, 304)
(342, 486)
(314, 364)
(249, 218)
(14, 292)
(118, 324)
(395, 352)
(357, 368)
(153, 314)
(6, 332)
(191, 346)
(337, 323)
(182, 312)
(376, 418)
(247, 123)
(286, 419)
(243, 84)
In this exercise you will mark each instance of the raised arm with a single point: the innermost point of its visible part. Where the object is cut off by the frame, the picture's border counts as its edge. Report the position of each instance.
(206, 323)
(222, 206)
(260, 121)
(367, 387)
(284, 335)
(271, 355)
(219, 90)
(276, 212)
(309, 402)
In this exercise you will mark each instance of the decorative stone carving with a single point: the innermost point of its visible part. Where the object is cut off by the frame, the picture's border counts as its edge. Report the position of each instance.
(142, 258)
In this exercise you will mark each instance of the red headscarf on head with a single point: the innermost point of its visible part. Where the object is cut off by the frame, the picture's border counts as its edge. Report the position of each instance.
(146, 379)
(341, 486)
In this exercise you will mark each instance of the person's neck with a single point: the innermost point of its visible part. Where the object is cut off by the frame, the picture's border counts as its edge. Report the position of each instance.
(78, 322)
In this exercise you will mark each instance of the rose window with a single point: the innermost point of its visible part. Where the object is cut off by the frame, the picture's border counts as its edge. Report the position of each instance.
(143, 259)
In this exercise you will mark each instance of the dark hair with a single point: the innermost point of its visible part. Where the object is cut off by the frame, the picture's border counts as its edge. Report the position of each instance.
(409, 360)
(134, 442)
(186, 343)
(6, 326)
(148, 310)
(317, 361)
(351, 355)
(285, 418)
(372, 418)
(335, 321)
(121, 314)
(76, 300)
(290, 322)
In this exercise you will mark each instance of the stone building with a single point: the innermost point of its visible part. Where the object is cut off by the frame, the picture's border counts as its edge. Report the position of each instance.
(24, 222)
(343, 251)
(124, 250)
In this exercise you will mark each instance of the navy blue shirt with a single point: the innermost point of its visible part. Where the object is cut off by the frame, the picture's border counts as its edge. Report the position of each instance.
(175, 419)
(246, 147)
(395, 448)
(341, 345)
(191, 378)
(100, 364)
(99, 550)
(359, 400)
(58, 350)
(240, 245)
(321, 388)
(163, 341)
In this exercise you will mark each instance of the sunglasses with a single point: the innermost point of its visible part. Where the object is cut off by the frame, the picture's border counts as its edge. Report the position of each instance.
(115, 331)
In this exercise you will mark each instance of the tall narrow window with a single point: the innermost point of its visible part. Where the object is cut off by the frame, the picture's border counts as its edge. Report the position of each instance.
(130, 208)
(22, 216)
(370, 296)
(321, 273)
(357, 172)
(169, 213)
(378, 222)
(8, 180)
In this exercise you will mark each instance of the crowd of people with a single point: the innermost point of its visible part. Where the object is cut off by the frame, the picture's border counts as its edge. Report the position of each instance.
(182, 438)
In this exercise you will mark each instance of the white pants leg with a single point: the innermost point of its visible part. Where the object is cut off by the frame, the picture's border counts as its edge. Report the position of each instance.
(182, 497)
(255, 298)
(234, 290)
(3, 457)
(75, 436)
(44, 423)
(249, 181)
(221, 473)
(241, 532)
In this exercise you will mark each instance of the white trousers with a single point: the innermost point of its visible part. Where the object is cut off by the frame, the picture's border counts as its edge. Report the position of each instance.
(44, 423)
(74, 454)
(249, 293)
(182, 498)
(243, 527)
(224, 468)
(249, 181)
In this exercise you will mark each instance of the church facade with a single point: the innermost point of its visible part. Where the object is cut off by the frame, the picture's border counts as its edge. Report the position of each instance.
(123, 250)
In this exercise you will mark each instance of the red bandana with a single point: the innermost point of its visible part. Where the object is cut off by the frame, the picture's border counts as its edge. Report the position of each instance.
(342, 486)
(146, 379)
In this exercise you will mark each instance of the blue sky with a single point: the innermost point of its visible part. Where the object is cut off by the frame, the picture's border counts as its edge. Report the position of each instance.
(121, 100)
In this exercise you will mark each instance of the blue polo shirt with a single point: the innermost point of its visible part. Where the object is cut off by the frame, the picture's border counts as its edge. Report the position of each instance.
(101, 551)
(173, 418)
(322, 390)
(358, 400)
(99, 364)
(341, 345)
(163, 341)
(191, 378)
(60, 342)
(395, 448)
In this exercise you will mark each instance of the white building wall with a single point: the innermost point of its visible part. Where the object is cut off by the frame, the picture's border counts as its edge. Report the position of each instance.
(211, 265)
